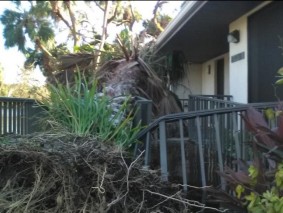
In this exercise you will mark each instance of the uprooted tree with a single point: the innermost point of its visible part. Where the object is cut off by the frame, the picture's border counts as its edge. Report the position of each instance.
(59, 170)
(90, 48)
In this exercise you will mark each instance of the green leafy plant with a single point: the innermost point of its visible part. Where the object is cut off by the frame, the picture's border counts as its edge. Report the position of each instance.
(270, 201)
(258, 185)
(79, 109)
(280, 76)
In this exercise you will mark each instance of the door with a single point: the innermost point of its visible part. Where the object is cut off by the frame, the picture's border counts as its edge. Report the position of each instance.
(265, 28)
(220, 77)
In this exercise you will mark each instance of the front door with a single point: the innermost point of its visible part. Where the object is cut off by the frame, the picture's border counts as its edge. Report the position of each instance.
(265, 28)
(220, 77)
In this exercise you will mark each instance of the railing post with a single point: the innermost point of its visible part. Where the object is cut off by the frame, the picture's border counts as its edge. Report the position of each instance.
(143, 116)
(219, 150)
(14, 117)
(10, 116)
(236, 138)
(201, 158)
(1, 118)
(183, 156)
(5, 118)
(163, 151)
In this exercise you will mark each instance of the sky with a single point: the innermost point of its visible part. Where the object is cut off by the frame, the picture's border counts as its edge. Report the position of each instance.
(12, 60)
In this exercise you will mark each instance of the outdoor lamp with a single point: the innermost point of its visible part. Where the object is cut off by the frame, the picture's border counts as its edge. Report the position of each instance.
(234, 36)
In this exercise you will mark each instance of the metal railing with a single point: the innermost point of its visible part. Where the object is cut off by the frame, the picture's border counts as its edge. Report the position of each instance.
(18, 115)
(21, 116)
(207, 102)
(221, 97)
(190, 147)
(203, 102)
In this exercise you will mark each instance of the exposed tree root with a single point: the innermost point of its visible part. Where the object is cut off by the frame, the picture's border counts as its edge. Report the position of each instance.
(49, 173)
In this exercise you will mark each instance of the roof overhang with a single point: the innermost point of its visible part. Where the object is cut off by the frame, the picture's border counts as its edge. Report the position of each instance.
(200, 30)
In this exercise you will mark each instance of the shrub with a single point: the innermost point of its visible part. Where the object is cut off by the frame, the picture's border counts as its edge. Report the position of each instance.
(258, 185)
(81, 110)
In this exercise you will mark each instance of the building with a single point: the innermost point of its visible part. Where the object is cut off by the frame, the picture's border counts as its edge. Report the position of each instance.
(231, 48)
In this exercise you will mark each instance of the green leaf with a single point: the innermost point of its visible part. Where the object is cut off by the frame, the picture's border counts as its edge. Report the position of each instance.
(253, 172)
(45, 32)
(239, 190)
(269, 113)
(279, 82)
(280, 71)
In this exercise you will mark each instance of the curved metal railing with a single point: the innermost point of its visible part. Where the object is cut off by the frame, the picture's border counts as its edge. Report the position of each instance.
(207, 139)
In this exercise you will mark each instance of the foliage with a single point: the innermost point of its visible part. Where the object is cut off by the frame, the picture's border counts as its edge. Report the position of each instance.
(81, 110)
(34, 31)
(169, 67)
(271, 200)
(280, 80)
(4, 90)
(33, 23)
(24, 89)
(151, 27)
(258, 185)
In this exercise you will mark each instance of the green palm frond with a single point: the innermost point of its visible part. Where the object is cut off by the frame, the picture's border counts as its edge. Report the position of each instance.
(45, 32)
(14, 35)
(42, 9)
(34, 23)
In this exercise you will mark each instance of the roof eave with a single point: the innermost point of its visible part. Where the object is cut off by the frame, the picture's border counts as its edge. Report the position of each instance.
(178, 22)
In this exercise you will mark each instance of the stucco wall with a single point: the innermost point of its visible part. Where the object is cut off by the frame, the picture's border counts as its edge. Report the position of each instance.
(239, 69)
(199, 80)
(208, 78)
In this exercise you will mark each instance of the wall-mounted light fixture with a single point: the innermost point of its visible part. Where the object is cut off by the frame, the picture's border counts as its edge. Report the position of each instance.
(234, 36)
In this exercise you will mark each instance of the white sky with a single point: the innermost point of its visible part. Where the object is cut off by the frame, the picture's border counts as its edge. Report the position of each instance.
(12, 60)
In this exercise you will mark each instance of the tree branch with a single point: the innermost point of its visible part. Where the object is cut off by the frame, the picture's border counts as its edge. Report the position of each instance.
(192, 203)
(57, 12)
(114, 15)
(99, 6)
(47, 59)
(104, 33)
(127, 56)
(73, 20)
(42, 48)
(157, 6)
(133, 18)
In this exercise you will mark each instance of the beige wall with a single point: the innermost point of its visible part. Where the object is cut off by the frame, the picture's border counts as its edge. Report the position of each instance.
(198, 80)
(208, 79)
(239, 69)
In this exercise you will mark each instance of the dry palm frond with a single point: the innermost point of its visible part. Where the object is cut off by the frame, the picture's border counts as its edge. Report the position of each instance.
(135, 77)
(128, 76)
(72, 61)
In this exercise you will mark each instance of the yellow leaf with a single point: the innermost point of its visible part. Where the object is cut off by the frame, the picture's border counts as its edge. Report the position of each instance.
(239, 190)
(270, 114)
